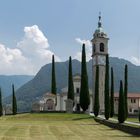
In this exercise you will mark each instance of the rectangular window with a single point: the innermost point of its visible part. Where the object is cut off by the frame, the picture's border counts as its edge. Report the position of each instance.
(133, 100)
(77, 90)
(136, 111)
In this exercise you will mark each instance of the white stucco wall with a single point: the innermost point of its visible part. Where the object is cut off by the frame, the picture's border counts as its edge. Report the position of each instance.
(58, 103)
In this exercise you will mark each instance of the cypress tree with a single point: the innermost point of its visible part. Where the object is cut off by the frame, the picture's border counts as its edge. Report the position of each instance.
(53, 84)
(112, 94)
(70, 82)
(139, 114)
(84, 92)
(1, 110)
(121, 107)
(96, 98)
(126, 90)
(14, 104)
(107, 101)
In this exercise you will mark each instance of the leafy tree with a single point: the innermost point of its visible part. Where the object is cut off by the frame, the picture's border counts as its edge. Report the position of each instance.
(107, 101)
(1, 109)
(70, 82)
(14, 104)
(112, 94)
(121, 107)
(84, 92)
(126, 90)
(53, 85)
(96, 98)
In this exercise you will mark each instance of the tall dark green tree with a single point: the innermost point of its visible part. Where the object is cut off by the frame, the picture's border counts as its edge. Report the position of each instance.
(126, 90)
(121, 105)
(84, 91)
(70, 81)
(1, 110)
(107, 100)
(139, 115)
(112, 94)
(96, 98)
(14, 102)
(53, 83)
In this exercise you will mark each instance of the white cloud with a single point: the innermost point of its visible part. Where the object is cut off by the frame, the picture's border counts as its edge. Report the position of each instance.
(11, 61)
(28, 56)
(135, 60)
(88, 49)
(86, 42)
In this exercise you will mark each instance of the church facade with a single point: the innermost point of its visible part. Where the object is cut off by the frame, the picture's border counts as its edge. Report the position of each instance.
(57, 102)
(51, 102)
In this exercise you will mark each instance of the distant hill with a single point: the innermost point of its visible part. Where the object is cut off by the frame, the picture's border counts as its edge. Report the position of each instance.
(41, 83)
(7, 81)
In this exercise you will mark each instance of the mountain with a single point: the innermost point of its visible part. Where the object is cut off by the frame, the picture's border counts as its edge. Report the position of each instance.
(7, 81)
(41, 83)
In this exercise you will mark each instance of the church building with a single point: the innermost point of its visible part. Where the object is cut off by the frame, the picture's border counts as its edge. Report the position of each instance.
(51, 102)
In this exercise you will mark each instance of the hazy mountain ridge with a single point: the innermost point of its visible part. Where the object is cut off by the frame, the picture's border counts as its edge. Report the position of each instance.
(6, 82)
(41, 83)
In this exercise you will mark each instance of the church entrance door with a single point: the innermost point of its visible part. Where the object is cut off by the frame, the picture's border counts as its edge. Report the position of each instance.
(50, 105)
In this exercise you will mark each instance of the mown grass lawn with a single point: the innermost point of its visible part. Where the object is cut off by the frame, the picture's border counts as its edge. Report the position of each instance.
(133, 120)
(130, 119)
(57, 127)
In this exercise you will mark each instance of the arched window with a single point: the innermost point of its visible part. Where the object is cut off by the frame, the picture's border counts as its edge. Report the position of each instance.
(101, 47)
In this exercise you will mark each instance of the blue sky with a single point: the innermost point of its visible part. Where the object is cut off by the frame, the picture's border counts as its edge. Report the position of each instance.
(61, 22)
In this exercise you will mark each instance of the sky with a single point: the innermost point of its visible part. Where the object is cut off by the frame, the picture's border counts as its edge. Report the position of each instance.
(31, 31)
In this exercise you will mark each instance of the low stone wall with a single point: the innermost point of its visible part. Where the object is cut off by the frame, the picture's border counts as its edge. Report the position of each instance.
(123, 127)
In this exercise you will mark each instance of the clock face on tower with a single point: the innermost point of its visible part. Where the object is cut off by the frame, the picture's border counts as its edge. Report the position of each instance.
(101, 60)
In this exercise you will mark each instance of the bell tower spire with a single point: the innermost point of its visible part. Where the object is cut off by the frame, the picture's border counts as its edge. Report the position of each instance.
(99, 52)
(99, 22)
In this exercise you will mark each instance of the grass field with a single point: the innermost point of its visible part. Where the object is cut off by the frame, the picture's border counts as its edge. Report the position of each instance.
(57, 127)
(133, 120)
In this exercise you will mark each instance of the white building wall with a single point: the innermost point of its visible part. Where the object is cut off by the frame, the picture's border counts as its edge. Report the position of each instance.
(132, 106)
(58, 103)
(76, 85)
(63, 103)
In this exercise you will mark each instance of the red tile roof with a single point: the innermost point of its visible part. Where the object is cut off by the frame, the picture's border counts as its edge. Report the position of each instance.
(49, 94)
(129, 95)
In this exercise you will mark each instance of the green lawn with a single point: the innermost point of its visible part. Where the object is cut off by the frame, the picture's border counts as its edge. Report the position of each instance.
(130, 119)
(57, 127)
(133, 120)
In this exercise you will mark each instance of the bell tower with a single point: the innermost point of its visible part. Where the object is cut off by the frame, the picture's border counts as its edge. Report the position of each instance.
(99, 52)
